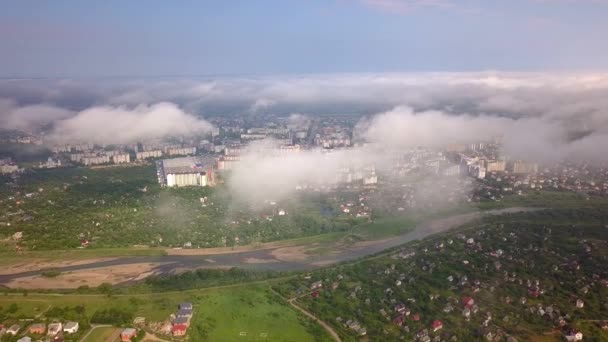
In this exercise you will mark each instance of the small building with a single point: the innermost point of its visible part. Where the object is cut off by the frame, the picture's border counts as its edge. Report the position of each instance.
(179, 329)
(580, 304)
(54, 329)
(573, 335)
(468, 302)
(13, 329)
(181, 320)
(25, 339)
(37, 328)
(185, 306)
(437, 325)
(127, 334)
(71, 327)
(184, 313)
(316, 285)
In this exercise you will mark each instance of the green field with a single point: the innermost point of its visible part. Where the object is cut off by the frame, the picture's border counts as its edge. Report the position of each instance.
(262, 316)
(100, 334)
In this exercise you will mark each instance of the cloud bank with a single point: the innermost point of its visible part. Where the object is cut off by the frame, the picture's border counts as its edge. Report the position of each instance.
(123, 125)
(552, 115)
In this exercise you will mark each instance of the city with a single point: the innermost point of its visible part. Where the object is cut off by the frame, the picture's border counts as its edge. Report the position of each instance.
(338, 170)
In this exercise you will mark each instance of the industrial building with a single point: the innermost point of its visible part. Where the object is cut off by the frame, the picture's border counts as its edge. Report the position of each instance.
(186, 171)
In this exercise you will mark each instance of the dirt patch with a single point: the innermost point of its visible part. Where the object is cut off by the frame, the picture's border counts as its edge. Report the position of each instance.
(91, 278)
(258, 261)
(41, 264)
(295, 253)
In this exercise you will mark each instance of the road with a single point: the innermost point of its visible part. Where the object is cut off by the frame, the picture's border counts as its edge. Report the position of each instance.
(325, 326)
(265, 259)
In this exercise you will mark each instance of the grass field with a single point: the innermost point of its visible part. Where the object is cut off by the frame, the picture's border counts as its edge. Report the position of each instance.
(247, 315)
(101, 334)
(221, 314)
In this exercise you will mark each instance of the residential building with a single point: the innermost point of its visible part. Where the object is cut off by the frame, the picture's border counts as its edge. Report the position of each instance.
(127, 334)
(37, 328)
(71, 327)
(54, 329)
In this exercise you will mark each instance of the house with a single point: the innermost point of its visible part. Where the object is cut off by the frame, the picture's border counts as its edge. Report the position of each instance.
(13, 329)
(580, 304)
(316, 285)
(37, 328)
(437, 325)
(185, 306)
(184, 313)
(315, 294)
(399, 320)
(573, 335)
(468, 302)
(181, 320)
(70, 327)
(402, 309)
(25, 339)
(54, 329)
(127, 334)
(179, 329)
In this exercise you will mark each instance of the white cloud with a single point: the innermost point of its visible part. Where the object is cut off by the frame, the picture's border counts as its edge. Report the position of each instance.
(128, 125)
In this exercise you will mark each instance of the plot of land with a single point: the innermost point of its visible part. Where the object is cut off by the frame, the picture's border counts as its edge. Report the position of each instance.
(248, 315)
(102, 334)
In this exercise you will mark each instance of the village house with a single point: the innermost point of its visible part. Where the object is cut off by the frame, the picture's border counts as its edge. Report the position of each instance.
(437, 325)
(127, 334)
(185, 306)
(573, 335)
(13, 329)
(37, 328)
(25, 339)
(316, 285)
(184, 313)
(179, 329)
(54, 329)
(71, 327)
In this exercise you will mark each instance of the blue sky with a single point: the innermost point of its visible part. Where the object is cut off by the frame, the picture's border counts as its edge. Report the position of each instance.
(156, 38)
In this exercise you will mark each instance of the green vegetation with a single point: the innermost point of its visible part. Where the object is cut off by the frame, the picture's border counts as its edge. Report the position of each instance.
(101, 334)
(51, 273)
(122, 207)
(220, 314)
(564, 250)
(205, 278)
(254, 311)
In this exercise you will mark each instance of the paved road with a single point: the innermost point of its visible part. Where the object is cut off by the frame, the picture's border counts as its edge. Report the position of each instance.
(167, 264)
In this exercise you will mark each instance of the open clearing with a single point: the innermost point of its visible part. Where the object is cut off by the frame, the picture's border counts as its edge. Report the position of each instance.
(100, 334)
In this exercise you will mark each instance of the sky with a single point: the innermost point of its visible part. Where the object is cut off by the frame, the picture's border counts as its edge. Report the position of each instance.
(64, 38)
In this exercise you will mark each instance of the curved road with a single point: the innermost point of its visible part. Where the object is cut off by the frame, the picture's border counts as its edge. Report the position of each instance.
(265, 260)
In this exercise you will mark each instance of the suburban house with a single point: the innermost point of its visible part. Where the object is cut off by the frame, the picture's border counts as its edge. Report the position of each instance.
(573, 335)
(37, 328)
(468, 302)
(13, 329)
(70, 327)
(437, 325)
(185, 306)
(184, 313)
(127, 334)
(179, 329)
(181, 320)
(54, 329)
(316, 285)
